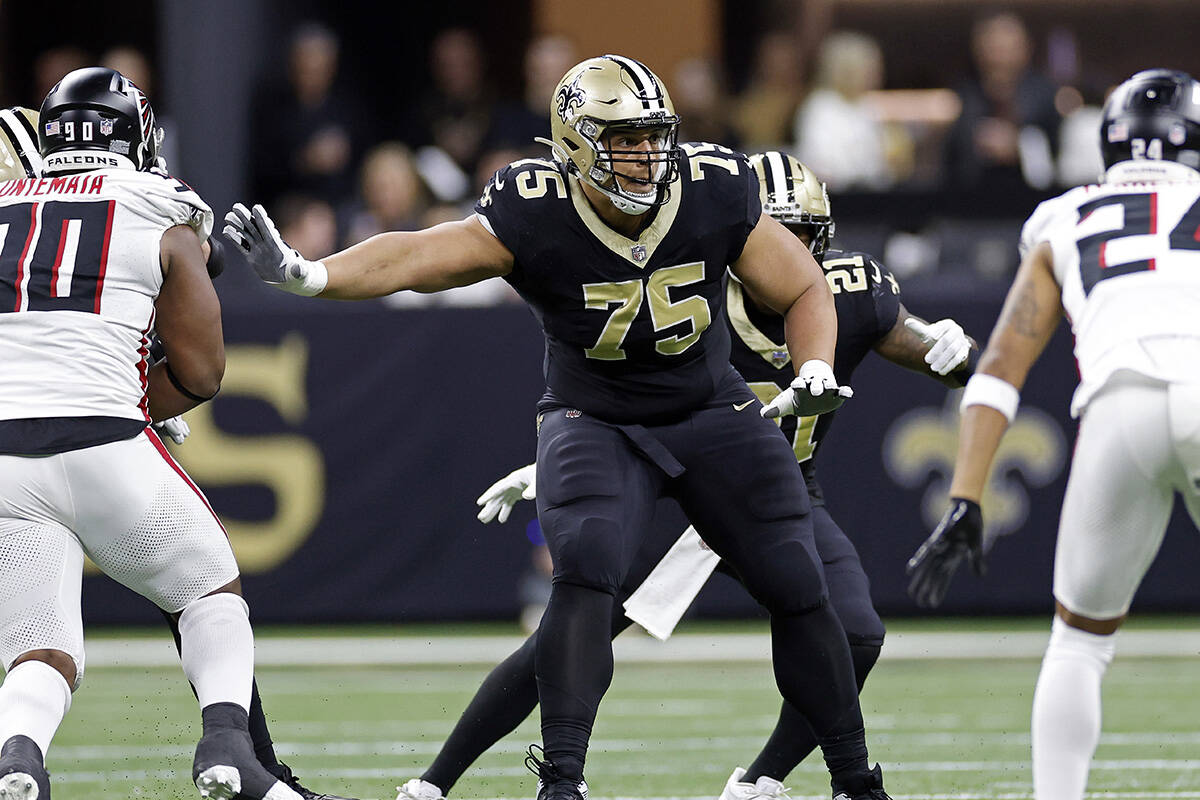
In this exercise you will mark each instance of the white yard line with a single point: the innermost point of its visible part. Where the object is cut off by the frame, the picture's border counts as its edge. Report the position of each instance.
(684, 648)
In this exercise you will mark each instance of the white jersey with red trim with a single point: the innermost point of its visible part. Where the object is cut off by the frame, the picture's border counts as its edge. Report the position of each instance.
(79, 273)
(1127, 258)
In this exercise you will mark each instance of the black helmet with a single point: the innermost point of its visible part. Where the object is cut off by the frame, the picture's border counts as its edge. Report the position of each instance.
(1153, 115)
(96, 118)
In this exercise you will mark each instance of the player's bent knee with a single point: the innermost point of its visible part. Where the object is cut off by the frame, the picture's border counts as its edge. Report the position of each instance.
(64, 663)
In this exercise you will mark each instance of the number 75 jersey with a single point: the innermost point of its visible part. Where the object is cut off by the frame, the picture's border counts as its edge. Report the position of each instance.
(628, 322)
(1127, 259)
(79, 273)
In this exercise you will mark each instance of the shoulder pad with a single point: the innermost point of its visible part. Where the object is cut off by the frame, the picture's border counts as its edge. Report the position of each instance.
(853, 271)
(1037, 228)
(706, 161)
(527, 179)
(158, 193)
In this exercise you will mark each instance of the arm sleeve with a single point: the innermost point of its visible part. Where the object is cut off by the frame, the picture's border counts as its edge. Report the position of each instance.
(885, 296)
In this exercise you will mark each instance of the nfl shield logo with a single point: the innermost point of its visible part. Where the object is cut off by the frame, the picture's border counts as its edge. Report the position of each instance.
(639, 253)
(779, 358)
(106, 127)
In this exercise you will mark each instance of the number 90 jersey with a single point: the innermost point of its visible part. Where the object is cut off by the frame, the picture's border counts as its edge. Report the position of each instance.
(79, 273)
(629, 323)
(1127, 258)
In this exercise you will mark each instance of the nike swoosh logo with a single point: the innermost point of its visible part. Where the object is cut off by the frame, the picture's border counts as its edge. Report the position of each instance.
(740, 406)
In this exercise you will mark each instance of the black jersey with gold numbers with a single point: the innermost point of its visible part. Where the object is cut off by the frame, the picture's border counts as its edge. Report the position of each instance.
(633, 326)
(868, 303)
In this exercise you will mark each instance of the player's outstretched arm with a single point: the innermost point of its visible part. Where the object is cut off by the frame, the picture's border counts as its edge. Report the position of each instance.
(939, 349)
(778, 271)
(188, 321)
(442, 257)
(1031, 313)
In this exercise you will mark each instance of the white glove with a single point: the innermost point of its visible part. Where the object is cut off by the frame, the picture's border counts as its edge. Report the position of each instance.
(499, 498)
(814, 391)
(949, 344)
(272, 258)
(175, 427)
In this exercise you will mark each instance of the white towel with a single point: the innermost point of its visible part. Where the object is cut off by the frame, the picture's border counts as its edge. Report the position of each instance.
(658, 604)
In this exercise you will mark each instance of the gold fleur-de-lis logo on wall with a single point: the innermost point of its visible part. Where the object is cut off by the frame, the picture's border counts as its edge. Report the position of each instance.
(924, 442)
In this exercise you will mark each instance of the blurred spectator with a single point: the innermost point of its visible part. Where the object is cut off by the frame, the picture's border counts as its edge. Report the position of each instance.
(455, 115)
(698, 91)
(838, 132)
(547, 59)
(393, 196)
(1003, 136)
(492, 161)
(764, 111)
(133, 64)
(305, 136)
(308, 224)
(1079, 157)
(51, 65)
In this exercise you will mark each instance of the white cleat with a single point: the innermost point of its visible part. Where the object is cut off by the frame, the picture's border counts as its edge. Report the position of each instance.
(18, 786)
(417, 789)
(763, 789)
(219, 782)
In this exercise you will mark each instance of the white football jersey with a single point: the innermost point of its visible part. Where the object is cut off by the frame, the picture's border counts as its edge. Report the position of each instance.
(79, 273)
(1127, 258)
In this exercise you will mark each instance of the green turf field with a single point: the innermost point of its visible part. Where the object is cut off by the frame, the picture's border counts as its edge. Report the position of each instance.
(942, 728)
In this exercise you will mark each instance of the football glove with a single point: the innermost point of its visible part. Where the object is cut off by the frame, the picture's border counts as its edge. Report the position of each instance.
(273, 260)
(959, 535)
(175, 427)
(949, 345)
(499, 498)
(814, 391)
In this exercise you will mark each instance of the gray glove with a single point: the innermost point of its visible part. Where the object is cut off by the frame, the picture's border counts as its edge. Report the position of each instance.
(273, 260)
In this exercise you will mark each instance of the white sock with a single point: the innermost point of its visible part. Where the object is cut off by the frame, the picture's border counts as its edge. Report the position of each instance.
(33, 701)
(217, 649)
(1066, 711)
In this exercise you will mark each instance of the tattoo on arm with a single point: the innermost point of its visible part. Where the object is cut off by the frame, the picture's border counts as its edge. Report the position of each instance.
(1021, 316)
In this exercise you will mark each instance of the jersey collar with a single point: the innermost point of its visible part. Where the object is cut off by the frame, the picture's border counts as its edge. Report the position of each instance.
(637, 251)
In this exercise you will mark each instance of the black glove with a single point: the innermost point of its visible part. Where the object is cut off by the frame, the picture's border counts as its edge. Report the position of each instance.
(932, 567)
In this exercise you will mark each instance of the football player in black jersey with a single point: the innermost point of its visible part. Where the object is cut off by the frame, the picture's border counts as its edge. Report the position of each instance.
(19, 158)
(620, 245)
(870, 317)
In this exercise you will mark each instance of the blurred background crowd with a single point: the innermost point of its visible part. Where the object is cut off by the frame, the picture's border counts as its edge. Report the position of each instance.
(935, 125)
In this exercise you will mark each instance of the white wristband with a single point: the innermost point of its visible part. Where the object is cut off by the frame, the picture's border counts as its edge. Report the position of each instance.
(988, 390)
(313, 282)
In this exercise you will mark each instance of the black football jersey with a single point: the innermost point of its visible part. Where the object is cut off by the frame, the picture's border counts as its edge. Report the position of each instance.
(634, 329)
(867, 297)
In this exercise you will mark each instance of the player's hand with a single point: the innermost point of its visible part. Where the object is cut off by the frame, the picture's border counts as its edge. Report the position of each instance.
(814, 391)
(499, 498)
(949, 345)
(273, 260)
(175, 427)
(959, 535)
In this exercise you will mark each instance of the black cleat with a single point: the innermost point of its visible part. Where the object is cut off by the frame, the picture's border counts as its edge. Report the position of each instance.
(23, 774)
(225, 766)
(865, 786)
(551, 785)
(284, 773)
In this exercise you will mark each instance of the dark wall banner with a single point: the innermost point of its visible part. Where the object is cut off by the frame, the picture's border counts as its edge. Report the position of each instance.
(349, 442)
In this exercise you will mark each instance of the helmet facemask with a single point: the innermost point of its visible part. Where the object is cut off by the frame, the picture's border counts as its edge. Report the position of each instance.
(635, 177)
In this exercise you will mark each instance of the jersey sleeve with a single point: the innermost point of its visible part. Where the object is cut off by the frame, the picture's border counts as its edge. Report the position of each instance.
(885, 296)
(159, 195)
(750, 203)
(1037, 228)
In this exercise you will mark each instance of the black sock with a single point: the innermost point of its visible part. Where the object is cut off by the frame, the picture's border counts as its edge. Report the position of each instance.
(506, 697)
(574, 669)
(793, 738)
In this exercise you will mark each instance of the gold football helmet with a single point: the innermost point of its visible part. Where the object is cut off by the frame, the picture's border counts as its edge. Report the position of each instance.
(793, 196)
(19, 156)
(605, 96)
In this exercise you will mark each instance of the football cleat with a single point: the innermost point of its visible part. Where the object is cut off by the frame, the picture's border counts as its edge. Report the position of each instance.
(284, 773)
(867, 786)
(225, 766)
(551, 785)
(764, 788)
(23, 776)
(417, 789)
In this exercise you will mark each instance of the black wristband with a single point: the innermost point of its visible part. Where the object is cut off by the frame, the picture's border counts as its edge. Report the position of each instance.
(216, 256)
(179, 387)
